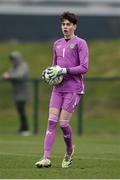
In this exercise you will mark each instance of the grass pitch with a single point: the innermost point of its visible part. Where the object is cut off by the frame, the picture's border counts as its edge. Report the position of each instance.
(95, 157)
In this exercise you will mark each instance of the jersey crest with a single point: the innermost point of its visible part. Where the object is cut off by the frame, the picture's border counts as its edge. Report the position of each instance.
(72, 46)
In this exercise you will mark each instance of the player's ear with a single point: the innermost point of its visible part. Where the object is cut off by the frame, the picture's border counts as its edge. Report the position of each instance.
(75, 26)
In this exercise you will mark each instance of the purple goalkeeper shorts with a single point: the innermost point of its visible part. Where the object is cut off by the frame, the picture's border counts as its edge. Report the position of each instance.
(65, 101)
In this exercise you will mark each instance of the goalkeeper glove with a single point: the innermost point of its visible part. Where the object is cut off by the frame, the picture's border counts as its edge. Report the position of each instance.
(56, 71)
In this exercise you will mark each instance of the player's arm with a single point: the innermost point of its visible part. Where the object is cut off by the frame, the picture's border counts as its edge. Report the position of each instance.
(83, 58)
(81, 69)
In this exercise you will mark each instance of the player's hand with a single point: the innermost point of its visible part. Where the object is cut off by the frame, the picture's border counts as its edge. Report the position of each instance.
(56, 71)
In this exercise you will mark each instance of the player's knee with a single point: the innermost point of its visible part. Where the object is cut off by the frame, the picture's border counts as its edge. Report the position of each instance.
(64, 123)
(53, 117)
(54, 112)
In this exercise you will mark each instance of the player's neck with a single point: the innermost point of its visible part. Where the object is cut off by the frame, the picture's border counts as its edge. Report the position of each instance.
(69, 37)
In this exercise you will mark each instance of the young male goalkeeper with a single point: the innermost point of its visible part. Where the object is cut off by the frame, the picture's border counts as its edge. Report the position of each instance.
(71, 54)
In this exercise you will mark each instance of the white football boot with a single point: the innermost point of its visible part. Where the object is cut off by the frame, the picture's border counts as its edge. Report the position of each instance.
(43, 162)
(67, 160)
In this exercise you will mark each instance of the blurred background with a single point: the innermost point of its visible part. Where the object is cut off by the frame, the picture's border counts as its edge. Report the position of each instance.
(31, 26)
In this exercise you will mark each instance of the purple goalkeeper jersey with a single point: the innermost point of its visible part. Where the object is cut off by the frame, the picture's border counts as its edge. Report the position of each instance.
(71, 54)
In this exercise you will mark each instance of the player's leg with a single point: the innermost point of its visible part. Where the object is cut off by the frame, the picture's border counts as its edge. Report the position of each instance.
(51, 131)
(54, 111)
(67, 134)
(68, 107)
(45, 161)
(64, 122)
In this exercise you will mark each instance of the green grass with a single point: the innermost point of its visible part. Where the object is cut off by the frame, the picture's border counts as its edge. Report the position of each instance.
(101, 101)
(104, 61)
(97, 153)
(95, 157)
(37, 55)
(104, 56)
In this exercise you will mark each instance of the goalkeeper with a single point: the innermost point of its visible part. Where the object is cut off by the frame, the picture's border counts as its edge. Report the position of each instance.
(71, 54)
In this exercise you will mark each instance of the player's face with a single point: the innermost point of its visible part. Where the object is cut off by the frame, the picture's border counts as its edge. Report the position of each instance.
(68, 28)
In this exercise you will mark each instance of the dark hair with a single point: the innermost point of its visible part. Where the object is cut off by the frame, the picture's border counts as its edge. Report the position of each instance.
(69, 16)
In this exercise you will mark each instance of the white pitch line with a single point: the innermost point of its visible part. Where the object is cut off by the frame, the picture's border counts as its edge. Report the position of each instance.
(96, 158)
(18, 142)
(17, 154)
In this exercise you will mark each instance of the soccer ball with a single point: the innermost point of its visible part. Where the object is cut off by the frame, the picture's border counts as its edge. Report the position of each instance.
(56, 81)
(51, 81)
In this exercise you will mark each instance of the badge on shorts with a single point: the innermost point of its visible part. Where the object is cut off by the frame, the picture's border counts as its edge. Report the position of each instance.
(72, 46)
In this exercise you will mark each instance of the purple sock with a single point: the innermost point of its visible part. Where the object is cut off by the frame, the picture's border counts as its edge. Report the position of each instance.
(50, 135)
(67, 133)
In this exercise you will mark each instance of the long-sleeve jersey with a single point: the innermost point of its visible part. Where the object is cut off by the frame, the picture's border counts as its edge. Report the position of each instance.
(72, 54)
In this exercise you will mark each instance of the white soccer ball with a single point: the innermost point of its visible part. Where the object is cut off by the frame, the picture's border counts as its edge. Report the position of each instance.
(51, 81)
(46, 75)
(56, 81)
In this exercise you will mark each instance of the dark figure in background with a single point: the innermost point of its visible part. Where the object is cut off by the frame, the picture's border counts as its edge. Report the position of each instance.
(18, 74)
